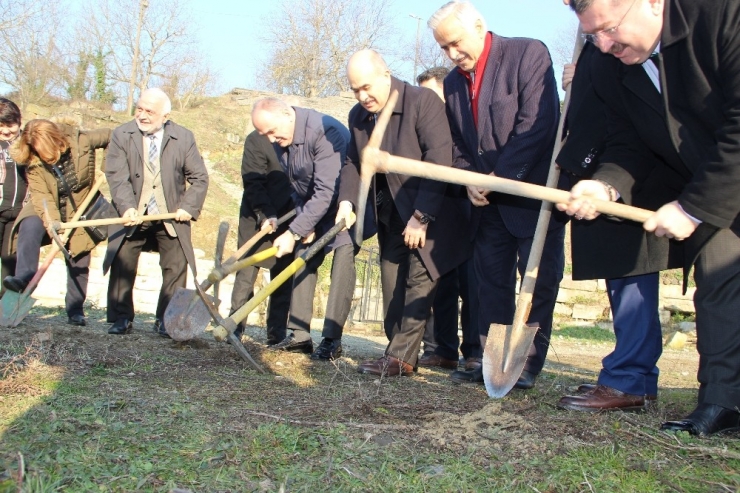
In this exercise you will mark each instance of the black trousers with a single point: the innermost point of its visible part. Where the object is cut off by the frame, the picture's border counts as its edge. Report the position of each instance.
(172, 261)
(7, 218)
(408, 292)
(497, 255)
(341, 289)
(717, 302)
(31, 235)
(243, 290)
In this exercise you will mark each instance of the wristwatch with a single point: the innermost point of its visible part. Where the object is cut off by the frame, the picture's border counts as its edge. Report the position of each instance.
(296, 236)
(423, 218)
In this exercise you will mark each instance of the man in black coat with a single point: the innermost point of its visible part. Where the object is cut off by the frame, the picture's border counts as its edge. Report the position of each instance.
(422, 224)
(689, 116)
(266, 197)
(503, 107)
(150, 161)
(311, 148)
(606, 248)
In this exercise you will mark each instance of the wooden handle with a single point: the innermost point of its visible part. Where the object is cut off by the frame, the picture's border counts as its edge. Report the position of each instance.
(115, 220)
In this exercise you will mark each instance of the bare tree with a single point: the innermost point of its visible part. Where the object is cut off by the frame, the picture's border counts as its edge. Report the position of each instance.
(30, 55)
(189, 82)
(311, 40)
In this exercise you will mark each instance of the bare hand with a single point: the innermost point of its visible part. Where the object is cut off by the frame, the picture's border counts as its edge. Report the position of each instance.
(415, 233)
(580, 204)
(133, 217)
(671, 221)
(309, 239)
(284, 243)
(477, 196)
(269, 224)
(182, 215)
(344, 211)
(569, 70)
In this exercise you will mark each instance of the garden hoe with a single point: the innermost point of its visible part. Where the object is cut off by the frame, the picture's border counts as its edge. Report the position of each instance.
(227, 326)
(188, 314)
(17, 305)
(373, 160)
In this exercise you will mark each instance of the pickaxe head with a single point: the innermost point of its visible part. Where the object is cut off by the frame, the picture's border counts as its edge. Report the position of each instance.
(371, 161)
(52, 229)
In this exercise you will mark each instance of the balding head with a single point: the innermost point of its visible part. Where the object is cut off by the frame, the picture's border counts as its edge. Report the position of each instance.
(370, 79)
(275, 119)
(152, 110)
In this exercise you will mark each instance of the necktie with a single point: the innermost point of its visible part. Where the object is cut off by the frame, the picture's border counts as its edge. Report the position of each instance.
(154, 168)
(655, 57)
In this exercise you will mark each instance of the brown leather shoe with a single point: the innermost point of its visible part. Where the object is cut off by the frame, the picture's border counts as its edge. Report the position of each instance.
(387, 366)
(587, 387)
(473, 363)
(437, 360)
(603, 398)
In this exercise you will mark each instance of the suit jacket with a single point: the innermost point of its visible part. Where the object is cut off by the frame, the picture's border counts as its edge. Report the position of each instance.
(180, 163)
(267, 191)
(608, 248)
(698, 138)
(417, 130)
(313, 162)
(518, 111)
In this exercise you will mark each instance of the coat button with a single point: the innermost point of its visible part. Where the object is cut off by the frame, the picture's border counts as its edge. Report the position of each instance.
(138, 175)
(480, 152)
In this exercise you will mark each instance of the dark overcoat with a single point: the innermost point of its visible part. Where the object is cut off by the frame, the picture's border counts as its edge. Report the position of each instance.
(313, 162)
(698, 138)
(608, 248)
(180, 165)
(518, 111)
(418, 129)
(266, 192)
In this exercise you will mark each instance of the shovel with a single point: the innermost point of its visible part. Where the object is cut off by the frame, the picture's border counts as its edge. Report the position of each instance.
(188, 314)
(17, 305)
(227, 326)
(507, 346)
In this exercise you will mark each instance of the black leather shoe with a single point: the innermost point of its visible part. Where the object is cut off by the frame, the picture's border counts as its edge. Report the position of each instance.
(329, 349)
(705, 420)
(275, 336)
(79, 320)
(158, 327)
(468, 376)
(291, 345)
(15, 284)
(121, 326)
(526, 380)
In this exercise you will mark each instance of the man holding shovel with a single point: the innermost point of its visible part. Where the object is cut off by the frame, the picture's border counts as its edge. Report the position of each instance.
(503, 108)
(422, 224)
(311, 148)
(690, 119)
(150, 159)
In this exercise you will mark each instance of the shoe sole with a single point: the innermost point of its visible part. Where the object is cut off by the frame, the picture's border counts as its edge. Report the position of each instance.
(365, 371)
(305, 350)
(571, 407)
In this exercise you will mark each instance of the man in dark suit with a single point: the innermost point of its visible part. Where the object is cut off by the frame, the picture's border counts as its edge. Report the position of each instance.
(266, 197)
(422, 224)
(686, 112)
(503, 108)
(150, 159)
(311, 148)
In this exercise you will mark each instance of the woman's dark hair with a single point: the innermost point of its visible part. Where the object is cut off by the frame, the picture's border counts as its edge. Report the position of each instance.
(9, 112)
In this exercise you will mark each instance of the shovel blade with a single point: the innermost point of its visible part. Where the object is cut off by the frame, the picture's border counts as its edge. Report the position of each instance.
(504, 357)
(15, 308)
(186, 316)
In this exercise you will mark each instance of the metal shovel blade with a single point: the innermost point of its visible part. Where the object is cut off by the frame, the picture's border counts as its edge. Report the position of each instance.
(15, 308)
(186, 316)
(504, 357)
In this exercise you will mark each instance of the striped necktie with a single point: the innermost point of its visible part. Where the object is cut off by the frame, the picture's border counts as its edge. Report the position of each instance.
(153, 167)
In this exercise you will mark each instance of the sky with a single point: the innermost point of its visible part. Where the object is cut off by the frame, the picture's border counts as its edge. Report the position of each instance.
(230, 31)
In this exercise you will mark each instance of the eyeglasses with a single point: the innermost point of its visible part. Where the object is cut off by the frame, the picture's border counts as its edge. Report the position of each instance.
(594, 37)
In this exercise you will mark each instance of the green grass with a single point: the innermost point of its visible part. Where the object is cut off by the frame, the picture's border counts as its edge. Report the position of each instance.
(589, 333)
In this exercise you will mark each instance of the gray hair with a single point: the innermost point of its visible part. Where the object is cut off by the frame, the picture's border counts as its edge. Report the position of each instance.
(463, 12)
(271, 105)
(160, 96)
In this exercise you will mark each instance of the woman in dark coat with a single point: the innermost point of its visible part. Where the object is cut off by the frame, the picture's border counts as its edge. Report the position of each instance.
(13, 183)
(60, 161)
